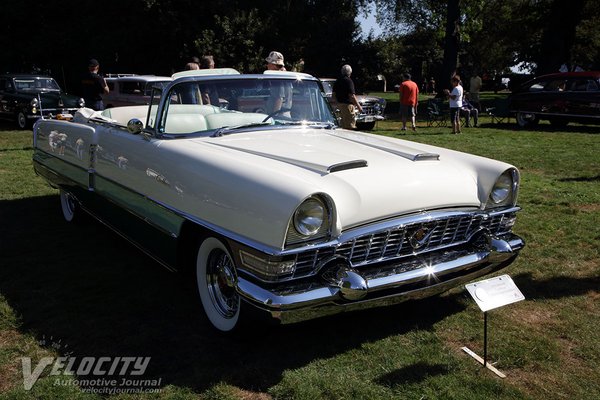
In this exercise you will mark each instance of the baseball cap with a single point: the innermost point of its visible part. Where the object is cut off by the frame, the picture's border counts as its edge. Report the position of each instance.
(93, 62)
(275, 57)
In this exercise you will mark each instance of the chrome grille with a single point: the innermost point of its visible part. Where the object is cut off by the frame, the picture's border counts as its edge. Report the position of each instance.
(392, 243)
(369, 109)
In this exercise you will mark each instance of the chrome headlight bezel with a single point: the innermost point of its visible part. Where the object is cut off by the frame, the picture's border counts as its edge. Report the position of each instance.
(34, 103)
(310, 221)
(309, 217)
(81, 102)
(505, 190)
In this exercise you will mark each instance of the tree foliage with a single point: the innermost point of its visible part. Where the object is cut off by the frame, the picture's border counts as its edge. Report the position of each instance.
(157, 37)
(494, 35)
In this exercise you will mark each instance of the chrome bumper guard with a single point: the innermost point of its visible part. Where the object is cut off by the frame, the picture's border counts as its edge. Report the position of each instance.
(342, 288)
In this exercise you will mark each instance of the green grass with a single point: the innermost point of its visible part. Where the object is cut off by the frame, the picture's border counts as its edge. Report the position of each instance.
(88, 291)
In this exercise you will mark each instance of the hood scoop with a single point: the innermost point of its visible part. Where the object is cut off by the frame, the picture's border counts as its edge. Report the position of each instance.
(406, 152)
(313, 166)
(348, 165)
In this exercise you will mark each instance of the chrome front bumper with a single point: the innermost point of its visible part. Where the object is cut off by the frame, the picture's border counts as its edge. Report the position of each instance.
(341, 288)
(369, 117)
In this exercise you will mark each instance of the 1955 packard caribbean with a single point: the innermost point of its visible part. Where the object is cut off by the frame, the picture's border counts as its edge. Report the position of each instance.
(280, 209)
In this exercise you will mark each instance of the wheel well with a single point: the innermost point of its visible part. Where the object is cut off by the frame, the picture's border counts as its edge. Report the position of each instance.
(190, 236)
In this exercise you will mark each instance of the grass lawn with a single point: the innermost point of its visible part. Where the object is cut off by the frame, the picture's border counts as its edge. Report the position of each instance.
(80, 290)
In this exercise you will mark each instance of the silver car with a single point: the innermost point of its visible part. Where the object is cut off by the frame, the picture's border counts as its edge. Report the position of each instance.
(132, 90)
(373, 107)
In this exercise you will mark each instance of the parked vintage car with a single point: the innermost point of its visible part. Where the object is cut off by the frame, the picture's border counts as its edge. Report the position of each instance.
(559, 98)
(131, 89)
(281, 210)
(24, 98)
(373, 107)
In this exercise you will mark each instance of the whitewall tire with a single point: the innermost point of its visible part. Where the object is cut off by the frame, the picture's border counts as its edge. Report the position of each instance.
(216, 280)
(69, 206)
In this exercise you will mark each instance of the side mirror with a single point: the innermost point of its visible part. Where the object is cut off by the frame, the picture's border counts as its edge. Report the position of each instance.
(135, 126)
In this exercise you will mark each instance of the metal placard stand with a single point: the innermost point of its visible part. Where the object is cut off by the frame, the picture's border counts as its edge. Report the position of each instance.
(489, 294)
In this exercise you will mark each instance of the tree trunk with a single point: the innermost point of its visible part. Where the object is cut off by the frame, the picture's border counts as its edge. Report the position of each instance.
(451, 44)
(558, 38)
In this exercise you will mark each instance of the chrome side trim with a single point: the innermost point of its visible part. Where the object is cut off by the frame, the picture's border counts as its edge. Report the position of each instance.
(137, 214)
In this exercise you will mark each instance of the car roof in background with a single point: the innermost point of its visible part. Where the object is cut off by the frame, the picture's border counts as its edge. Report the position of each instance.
(205, 72)
(148, 78)
(25, 76)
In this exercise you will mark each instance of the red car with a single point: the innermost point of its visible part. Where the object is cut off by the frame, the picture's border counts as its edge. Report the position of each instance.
(559, 98)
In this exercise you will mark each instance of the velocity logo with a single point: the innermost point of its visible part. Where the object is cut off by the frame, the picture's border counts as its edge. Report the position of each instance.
(86, 366)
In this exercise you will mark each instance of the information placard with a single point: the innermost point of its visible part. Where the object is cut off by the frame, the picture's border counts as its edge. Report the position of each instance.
(495, 292)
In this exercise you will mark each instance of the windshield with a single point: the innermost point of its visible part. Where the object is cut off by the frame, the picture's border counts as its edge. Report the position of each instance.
(36, 84)
(230, 104)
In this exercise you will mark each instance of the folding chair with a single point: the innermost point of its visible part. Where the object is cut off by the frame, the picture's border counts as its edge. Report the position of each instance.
(500, 111)
(436, 115)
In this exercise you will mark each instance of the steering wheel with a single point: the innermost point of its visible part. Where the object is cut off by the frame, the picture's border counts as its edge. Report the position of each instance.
(274, 113)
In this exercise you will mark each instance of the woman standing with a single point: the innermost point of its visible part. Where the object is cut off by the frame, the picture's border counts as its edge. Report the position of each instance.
(455, 98)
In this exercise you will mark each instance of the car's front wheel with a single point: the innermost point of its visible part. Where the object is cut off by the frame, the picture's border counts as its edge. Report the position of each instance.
(22, 121)
(216, 280)
(526, 120)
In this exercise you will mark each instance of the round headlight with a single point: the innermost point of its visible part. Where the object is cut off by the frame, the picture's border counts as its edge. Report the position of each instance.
(34, 102)
(309, 217)
(503, 189)
(81, 102)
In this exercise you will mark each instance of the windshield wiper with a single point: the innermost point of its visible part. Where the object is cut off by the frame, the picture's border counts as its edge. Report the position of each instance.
(226, 130)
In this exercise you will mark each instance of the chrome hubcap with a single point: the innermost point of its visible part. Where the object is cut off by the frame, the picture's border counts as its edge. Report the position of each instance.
(220, 279)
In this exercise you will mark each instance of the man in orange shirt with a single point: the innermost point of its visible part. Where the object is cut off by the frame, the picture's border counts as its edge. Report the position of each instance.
(409, 94)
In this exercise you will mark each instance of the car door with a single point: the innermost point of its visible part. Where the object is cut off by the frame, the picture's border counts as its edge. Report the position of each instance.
(555, 98)
(8, 98)
(584, 98)
(3, 106)
(129, 175)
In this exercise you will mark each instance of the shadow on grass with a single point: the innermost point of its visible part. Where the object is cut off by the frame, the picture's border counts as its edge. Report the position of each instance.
(84, 286)
(542, 127)
(410, 374)
(582, 179)
(555, 288)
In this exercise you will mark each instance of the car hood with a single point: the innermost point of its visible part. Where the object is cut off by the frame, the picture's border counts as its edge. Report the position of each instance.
(368, 177)
(366, 98)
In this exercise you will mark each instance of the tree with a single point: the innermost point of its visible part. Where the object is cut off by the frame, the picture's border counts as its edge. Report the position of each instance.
(559, 35)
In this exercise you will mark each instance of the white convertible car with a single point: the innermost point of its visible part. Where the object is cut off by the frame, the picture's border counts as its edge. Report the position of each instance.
(247, 180)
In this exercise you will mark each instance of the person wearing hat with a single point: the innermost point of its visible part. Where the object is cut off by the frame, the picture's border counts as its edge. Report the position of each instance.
(93, 86)
(345, 95)
(281, 93)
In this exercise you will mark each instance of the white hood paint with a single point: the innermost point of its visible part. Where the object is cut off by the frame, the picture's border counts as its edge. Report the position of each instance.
(256, 179)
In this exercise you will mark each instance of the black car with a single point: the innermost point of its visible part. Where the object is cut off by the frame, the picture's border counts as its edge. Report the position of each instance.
(26, 98)
(559, 98)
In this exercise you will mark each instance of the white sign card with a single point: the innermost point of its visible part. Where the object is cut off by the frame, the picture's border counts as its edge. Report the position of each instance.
(495, 292)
